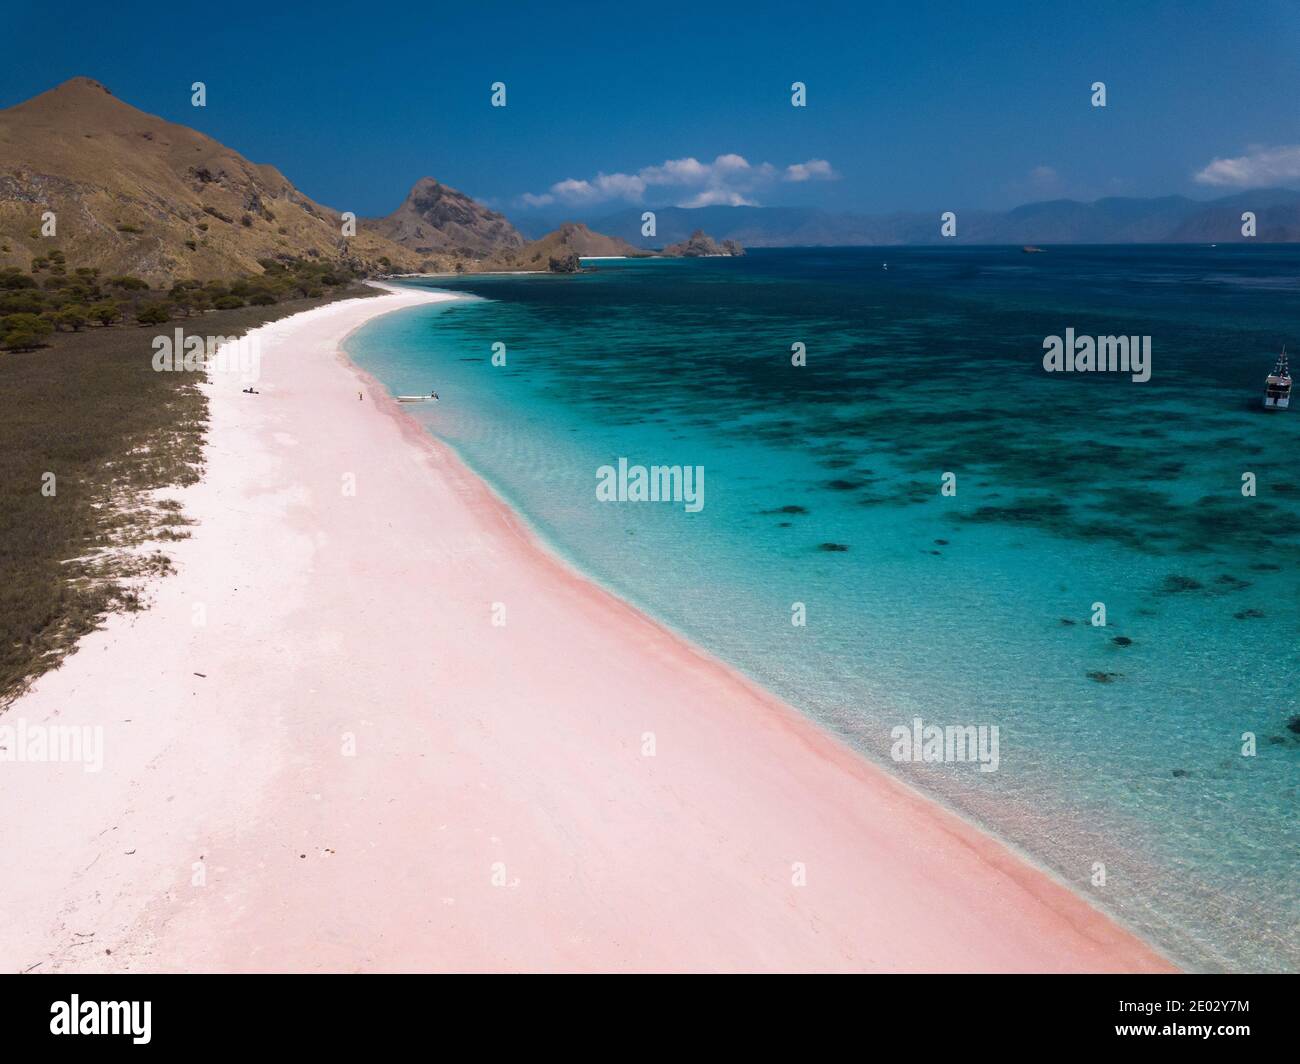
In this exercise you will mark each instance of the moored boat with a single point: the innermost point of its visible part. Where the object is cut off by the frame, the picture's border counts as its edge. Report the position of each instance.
(1277, 388)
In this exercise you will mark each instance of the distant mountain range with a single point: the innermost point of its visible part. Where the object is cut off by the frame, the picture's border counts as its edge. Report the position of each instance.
(1166, 219)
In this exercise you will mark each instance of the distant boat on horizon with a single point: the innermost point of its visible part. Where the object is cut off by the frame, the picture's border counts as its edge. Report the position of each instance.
(1277, 388)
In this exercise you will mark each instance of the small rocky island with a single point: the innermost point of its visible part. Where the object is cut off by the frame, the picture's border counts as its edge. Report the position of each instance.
(701, 245)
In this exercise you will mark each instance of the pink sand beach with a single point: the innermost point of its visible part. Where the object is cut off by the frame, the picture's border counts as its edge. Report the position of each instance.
(371, 775)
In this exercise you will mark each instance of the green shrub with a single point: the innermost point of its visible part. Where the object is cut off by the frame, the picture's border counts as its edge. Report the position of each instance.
(22, 303)
(153, 314)
(74, 317)
(23, 332)
(105, 312)
(129, 284)
(227, 302)
(12, 279)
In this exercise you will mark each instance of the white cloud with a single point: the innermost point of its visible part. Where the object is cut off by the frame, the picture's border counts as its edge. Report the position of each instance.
(714, 197)
(813, 168)
(678, 172)
(1260, 166)
(730, 179)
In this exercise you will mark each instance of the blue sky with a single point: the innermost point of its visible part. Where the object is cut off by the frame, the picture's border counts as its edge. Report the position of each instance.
(910, 106)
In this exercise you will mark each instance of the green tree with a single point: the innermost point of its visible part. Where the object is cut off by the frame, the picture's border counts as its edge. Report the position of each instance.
(153, 314)
(106, 312)
(12, 280)
(24, 302)
(129, 284)
(74, 317)
(23, 332)
(185, 295)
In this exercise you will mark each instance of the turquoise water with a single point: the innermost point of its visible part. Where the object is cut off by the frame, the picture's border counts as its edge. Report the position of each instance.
(822, 487)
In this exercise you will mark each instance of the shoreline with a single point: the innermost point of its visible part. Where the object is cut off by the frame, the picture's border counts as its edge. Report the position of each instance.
(498, 810)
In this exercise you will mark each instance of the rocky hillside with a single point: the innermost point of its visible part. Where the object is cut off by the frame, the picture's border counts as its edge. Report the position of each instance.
(699, 245)
(436, 219)
(134, 194)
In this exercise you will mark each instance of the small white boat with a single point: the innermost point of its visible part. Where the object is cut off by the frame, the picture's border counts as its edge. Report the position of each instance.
(432, 397)
(1277, 389)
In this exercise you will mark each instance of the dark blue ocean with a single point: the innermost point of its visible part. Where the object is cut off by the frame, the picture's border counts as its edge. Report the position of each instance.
(1147, 762)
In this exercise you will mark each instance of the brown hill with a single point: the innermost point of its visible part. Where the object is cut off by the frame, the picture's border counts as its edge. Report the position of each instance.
(135, 194)
(564, 246)
(437, 219)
